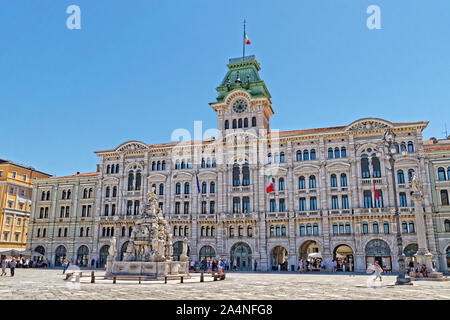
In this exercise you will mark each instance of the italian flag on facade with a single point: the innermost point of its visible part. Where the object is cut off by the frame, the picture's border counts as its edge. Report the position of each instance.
(269, 187)
(246, 38)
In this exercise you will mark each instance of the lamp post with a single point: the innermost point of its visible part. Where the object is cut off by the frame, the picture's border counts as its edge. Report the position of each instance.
(389, 142)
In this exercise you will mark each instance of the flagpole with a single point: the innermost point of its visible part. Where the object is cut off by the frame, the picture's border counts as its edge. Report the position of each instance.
(243, 44)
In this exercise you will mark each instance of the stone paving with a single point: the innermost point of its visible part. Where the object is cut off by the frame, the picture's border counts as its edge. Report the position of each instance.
(33, 284)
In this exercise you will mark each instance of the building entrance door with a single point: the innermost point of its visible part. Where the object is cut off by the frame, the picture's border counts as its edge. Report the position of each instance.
(241, 257)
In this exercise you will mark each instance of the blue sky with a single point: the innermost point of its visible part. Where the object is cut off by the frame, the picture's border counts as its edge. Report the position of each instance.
(137, 70)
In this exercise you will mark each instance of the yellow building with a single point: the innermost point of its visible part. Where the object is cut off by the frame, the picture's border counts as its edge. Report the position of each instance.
(15, 203)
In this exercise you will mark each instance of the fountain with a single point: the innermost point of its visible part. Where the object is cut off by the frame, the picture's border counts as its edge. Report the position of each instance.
(149, 252)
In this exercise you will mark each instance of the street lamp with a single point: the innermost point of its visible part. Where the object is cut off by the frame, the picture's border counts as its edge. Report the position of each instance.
(389, 142)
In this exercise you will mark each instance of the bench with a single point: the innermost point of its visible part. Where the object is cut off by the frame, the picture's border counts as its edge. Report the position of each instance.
(115, 278)
(173, 278)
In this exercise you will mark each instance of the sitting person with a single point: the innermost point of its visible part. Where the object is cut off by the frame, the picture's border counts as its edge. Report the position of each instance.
(424, 271)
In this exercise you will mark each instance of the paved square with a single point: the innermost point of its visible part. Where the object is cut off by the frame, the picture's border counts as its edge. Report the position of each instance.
(49, 284)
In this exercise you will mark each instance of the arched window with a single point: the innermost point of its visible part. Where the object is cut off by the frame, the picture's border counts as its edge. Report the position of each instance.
(313, 203)
(236, 205)
(117, 168)
(343, 152)
(315, 229)
(375, 227)
(108, 168)
(208, 163)
(312, 182)
(397, 148)
(343, 180)
(68, 194)
(48, 196)
(245, 123)
(330, 153)
(114, 193)
(403, 147)
(299, 155)
(441, 174)
(107, 192)
(63, 195)
(282, 205)
(249, 231)
(410, 146)
(245, 175)
(178, 188)
(130, 180)
(302, 229)
(214, 163)
(43, 196)
(347, 228)
(231, 231)
(113, 168)
(386, 227)
(411, 227)
(269, 158)
(163, 165)
(272, 230)
(236, 181)
(302, 204)
(376, 167)
(106, 210)
(447, 225)
(240, 123)
(227, 124)
(365, 166)
(278, 231)
(158, 166)
(410, 174)
(161, 189)
(308, 229)
(183, 164)
(400, 177)
(341, 228)
(313, 154)
(335, 228)
(246, 204)
(305, 155)
(448, 173)
(254, 122)
(333, 181)
(444, 198)
(186, 188)
(281, 184)
(138, 180)
(212, 187)
(337, 154)
(283, 230)
(204, 187)
(234, 124)
(368, 199)
(365, 227)
(203, 163)
(177, 164)
(404, 227)
(153, 166)
(281, 157)
(301, 183)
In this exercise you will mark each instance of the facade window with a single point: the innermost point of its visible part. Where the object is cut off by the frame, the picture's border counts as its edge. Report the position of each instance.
(333, 181)
(365, 228)
(315, 229)
(376, 167)
(344, 202)
(410, 174)
(245, 175)
(236, 181)
(334, 202)
(343, 152)
(313, 203)
(444, 198)
(240, 123)
(211, 207)
(283, 230)
(130, 180)
(245, 123)
(227, 124)
(347, 228)
(177, 208)
(337, 155)
(313, 154)
(341, 228)
(386, 227)
(441, 174)
(365, 167)
(236, 205)
(330, 153)
(254, 122)
(106, 193)
(410, 146)
(273, 205)
(282, 205)
(302, 229)
(136, 207)
(403, 201)
(281, 184)
(114, 192)
(301, 183)
(153, 165)
(404, 227)
(343, 180)
(447, 225)
(186, 208)
(368, 199)
(234, 124)
(400, 177)
(246, 204)
(375, 227)
(335, 228)
(312, 182)
(107, 210)
(231, 231)
(282, 158)
(203, 165)
(204, 187)
(250, 231)
(278, 231)
(161, 189)
(203, 207)
(212, 187)
(138, 180)
(129, 207)
(302, 204)
(178, 188)
(163, 165)
(113, 210)
(299, 155)
(411, 227)
(403, 147)
(379, 203)
(269, 158)
(305, 155)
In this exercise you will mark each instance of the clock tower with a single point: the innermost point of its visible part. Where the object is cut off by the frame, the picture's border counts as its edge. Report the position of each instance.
(243, 101)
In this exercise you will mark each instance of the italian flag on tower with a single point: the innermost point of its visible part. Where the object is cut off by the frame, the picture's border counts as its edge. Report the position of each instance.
(246, 38)
(269, 187)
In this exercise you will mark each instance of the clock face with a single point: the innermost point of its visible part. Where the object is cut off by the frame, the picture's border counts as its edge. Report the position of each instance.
(240, 106)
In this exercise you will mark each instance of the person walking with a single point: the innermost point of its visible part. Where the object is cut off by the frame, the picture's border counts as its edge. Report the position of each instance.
(12, 266)
(65, 265)
(378, 271)
(4, 265)
(322, 266)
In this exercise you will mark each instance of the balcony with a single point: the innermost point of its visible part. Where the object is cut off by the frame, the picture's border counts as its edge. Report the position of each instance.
(340, 212)
(370, 181)
(207, 217)
(242, 189)
(303, 214)
(277, 215)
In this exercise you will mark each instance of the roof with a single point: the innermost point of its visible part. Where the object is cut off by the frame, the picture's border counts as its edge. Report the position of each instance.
(16, 164)
(434, 144)
(89, 174)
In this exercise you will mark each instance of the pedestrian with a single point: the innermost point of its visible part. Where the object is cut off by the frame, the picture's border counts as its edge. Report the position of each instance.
(92, 263)
(378, 271)
(424, 271)
(256, 264)
(322, 266)
(65, 266)
(4, 265)
(12, 266)
(343, 266)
